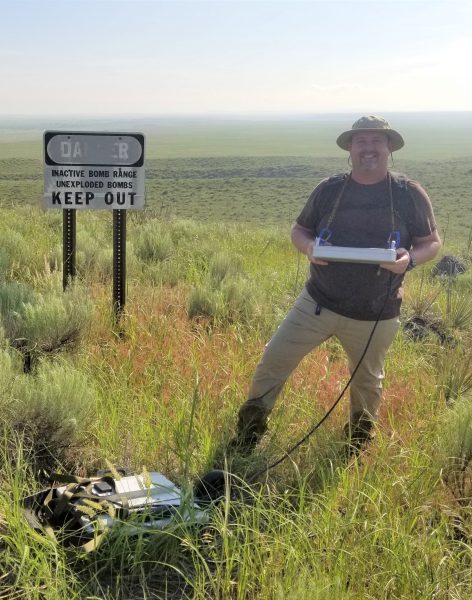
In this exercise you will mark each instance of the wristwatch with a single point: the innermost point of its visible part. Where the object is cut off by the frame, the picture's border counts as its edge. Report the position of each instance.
(412, 263)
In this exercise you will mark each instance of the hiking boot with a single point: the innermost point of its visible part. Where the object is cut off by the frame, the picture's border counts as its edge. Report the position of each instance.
(243, 443)
(252, 424)
(358, 433)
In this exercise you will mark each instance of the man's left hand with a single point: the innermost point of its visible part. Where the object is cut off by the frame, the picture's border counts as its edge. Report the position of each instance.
(401, 263)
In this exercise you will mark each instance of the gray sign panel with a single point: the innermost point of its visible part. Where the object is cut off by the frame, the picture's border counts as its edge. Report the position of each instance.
(93, 170)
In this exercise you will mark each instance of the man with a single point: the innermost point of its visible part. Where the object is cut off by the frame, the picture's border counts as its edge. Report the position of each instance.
(366, 208)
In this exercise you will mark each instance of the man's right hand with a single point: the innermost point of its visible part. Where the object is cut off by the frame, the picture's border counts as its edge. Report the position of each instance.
(309, 253)
(302, 239)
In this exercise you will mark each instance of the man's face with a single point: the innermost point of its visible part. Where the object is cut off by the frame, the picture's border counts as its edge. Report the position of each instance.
(369, 152)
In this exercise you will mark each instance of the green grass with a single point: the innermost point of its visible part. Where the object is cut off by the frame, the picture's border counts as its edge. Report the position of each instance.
(164, 393)
(258, 190)
(257, 171)
(428, 136)
(389, 526)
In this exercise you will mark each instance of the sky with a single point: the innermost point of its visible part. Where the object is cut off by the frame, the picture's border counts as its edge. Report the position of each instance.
(152, 57)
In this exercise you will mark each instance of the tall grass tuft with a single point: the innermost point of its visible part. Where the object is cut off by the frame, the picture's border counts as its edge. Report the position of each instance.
(457, 310)
(456, 450)
(164, 273)
(13, 296)
(239, 302)
(8, 373)
(94, 257)
(223, 265)
(453, 373)
(18, 255)
(31, 565)
(50, 412)
(234, 302)
(153, 243)
(47, 321)
(203, 302)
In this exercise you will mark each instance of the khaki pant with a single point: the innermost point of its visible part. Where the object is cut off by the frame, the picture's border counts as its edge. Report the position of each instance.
(300, 332)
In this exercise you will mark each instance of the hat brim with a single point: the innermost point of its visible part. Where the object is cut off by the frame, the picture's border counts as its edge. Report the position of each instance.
(344, 140)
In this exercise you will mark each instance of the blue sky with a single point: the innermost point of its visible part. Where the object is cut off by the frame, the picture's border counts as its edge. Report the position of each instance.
(203, 57)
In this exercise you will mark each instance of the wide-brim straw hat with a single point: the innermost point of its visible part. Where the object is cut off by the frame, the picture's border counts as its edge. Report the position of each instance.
(371, 124)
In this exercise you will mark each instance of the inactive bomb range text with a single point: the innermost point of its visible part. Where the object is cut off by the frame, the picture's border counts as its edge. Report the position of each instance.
(94, 170)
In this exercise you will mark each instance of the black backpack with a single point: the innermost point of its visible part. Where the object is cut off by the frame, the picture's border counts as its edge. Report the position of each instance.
(82, 510)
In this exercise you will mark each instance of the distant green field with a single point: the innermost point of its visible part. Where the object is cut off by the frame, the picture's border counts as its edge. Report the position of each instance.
(428, 136)
(255, 170)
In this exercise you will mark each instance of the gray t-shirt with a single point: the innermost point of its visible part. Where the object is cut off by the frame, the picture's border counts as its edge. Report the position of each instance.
(363, 219)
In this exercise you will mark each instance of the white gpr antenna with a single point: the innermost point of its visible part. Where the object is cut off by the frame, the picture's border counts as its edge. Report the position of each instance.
(325, 251)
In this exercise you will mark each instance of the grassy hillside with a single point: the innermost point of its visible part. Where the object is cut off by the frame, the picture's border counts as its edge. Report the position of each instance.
(205, 293)
(258, 172)
(394, 524)
(254, 189)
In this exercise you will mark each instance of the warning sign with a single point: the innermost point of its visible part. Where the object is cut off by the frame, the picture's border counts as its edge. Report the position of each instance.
(93, 170)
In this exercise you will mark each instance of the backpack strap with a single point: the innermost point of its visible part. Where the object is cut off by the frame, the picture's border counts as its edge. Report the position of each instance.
(48, 509)
(342, 181)
(80, 497)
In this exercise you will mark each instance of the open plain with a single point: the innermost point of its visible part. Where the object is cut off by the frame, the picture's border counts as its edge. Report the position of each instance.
(211, 272)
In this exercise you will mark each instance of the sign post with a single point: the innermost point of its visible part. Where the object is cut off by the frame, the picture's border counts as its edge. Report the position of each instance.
(94, 170)
(119, 261)
(68, 246)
